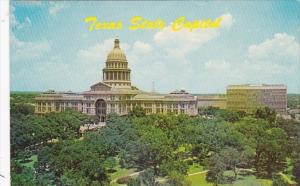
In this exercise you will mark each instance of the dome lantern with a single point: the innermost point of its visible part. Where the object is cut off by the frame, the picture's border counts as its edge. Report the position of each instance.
(117, 43)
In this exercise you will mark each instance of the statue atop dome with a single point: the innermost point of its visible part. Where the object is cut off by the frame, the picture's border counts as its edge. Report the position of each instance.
(117, 42)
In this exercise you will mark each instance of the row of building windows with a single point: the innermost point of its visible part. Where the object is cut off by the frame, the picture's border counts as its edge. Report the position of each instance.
(123, 110)
(55, 109)
(146, 105)
(102, 108)
(58, 104)
(151, 105)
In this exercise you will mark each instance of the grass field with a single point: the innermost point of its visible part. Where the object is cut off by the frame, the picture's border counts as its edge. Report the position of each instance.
(251, 181)
(119, 172)
(199, 180)
(31, 161)
(195, 168)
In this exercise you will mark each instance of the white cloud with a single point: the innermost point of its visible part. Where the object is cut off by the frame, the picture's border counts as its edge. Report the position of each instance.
(217, 65)
(45, 73)
(56, 7)
(99, 51)
(275, 60)
(170, 51)
(178, 44)
(26, 50)
(221, 73)
(281, 47)
(245, 69)
(141, 47)
(227, 21)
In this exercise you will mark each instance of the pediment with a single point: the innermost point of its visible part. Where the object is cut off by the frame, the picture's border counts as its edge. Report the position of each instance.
(100, 87)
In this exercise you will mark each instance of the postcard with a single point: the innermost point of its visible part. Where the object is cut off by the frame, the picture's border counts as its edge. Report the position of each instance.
(154, 93)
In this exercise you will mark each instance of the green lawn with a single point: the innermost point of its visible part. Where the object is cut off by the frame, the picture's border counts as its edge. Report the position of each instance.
(120, 172)
(288, 179)
(195, 168)
(196, 180)
(30, 164)
(199, 180)
(250, 181)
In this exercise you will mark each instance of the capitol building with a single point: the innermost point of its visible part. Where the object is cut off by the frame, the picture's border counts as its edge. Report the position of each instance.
(115, 94)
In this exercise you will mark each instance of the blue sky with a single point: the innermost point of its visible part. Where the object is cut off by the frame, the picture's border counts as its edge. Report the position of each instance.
(258, 42)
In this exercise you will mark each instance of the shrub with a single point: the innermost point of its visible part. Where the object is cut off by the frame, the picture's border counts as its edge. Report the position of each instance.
(189, 162)
(123, 180)
(278, 180)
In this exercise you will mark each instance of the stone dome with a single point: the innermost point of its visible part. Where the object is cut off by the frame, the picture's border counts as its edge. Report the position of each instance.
(116, 54)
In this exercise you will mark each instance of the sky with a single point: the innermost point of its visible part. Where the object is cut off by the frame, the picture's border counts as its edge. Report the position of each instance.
(52, 47)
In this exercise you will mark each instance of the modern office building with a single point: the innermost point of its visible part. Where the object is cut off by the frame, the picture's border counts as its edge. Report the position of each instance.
(250, 97)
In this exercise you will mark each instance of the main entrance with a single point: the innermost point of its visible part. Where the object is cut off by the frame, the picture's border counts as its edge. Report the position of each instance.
(100, 106)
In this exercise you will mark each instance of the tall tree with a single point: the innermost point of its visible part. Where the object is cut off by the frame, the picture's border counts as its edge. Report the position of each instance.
(137, 112)
(231, 158)
(266, 113)
(21, 175)
(296, 170)
(270, 145)
(177, 179)
(73, 159)
(216, 167)
(150, 150)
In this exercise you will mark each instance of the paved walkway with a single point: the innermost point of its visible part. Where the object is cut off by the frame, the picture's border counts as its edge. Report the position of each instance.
(201, 172)
(135, 173)
(159, 179)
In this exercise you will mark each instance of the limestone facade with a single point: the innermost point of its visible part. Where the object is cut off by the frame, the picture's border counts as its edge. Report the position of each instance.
(115, 94)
